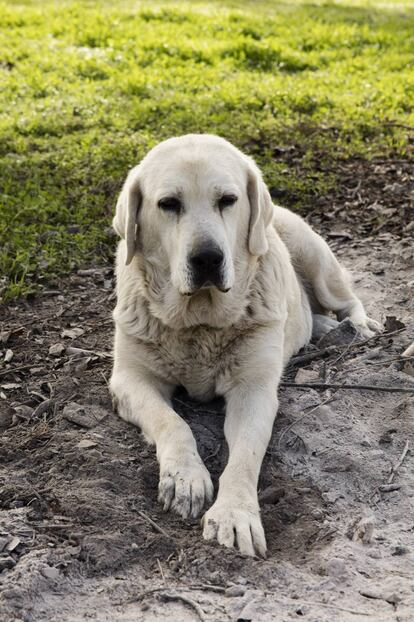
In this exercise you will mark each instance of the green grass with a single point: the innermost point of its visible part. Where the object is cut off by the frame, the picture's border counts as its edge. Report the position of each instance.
(87, 88)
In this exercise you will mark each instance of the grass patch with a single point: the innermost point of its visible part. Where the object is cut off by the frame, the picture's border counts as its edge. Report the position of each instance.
(89, 87)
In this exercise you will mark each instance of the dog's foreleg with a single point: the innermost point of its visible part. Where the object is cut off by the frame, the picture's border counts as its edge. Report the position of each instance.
(251, 407)
(185, 484)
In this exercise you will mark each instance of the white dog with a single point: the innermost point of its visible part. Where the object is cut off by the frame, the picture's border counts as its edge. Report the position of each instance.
(216, 289)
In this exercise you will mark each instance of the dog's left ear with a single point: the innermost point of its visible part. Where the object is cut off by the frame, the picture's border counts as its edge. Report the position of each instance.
(261, 212)
(125, 221)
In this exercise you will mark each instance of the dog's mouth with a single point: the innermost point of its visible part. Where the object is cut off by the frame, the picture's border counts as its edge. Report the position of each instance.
(208, 286)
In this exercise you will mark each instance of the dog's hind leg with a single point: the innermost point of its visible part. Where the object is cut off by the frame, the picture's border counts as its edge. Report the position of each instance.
(327, 282)
(321, 325)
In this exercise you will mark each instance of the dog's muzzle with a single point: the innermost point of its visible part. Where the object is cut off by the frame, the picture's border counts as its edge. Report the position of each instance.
(207, 267)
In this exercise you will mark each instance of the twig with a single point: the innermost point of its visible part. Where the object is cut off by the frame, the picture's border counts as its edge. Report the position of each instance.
(168, 596)
(348, 347)
(205, 587)
(155, 525)
(160, 569)
(187, 601)
(310, 356)
(42, 408)
(400, 359)
(322, 604)
(286, 430)
(214, 453)
(396, 466)
(358, 387)
(4, 372)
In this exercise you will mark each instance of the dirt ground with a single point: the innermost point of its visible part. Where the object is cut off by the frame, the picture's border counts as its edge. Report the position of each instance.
(81, 533)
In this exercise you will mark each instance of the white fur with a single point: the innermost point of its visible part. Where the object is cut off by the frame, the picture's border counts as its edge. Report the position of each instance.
(233, 344)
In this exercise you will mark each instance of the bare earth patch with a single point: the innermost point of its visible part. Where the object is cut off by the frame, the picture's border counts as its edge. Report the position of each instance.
(81, 533)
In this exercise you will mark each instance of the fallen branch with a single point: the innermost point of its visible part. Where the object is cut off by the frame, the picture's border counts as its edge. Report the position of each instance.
(310, 356)
(328, 605)
(395, 467)
(357, 387)
(187, 601)
(169, 596)
(154, 525)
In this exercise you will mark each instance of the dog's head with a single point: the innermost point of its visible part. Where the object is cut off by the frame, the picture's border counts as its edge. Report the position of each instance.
(196, 211)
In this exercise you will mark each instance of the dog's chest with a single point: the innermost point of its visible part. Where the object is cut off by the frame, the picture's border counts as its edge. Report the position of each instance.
(195, 359)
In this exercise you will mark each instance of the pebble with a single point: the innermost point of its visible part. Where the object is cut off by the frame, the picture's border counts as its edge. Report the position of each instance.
(8, 356)
(6, 562)
(271, 495)
(392, 598)
(330, 497)
(57, 349)
(235, 590)
(50, 572)
(400, 549)
(306, 375)
(86, 444)
(364, 530)
(13, 544)
(343, 334)
(6, 419)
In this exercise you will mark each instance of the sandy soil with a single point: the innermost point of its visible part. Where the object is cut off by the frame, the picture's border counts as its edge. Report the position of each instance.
(79, 486)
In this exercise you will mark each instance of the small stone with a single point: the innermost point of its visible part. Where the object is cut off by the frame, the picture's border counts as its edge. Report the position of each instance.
(271, 495)
(8, 356)
(24, 411)
(337, 464)
(364, 530)
(306, 375)
(86, 444)
(57, 349)
(6, 419)
(50, 572)
(392, 598)
(72, 333)
(3, 543)
(343, 334)
(400, 549)
(386, 437)
(13, 544)
(6, 562)
(235, 590)
(330, 497)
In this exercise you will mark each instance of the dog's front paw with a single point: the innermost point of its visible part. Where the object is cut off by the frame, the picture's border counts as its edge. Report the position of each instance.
(237, 526)
(185, 485)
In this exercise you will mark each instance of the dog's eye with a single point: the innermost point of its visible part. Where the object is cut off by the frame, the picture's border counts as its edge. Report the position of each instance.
(226, 200)
(170, 204)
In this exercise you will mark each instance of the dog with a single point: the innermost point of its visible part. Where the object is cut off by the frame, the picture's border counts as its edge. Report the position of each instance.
(217, 288)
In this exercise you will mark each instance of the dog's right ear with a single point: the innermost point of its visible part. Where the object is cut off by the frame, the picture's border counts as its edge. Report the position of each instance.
(125, 221)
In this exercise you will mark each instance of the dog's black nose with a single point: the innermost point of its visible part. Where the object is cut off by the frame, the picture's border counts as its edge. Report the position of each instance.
(207, 266)
(207, 259)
